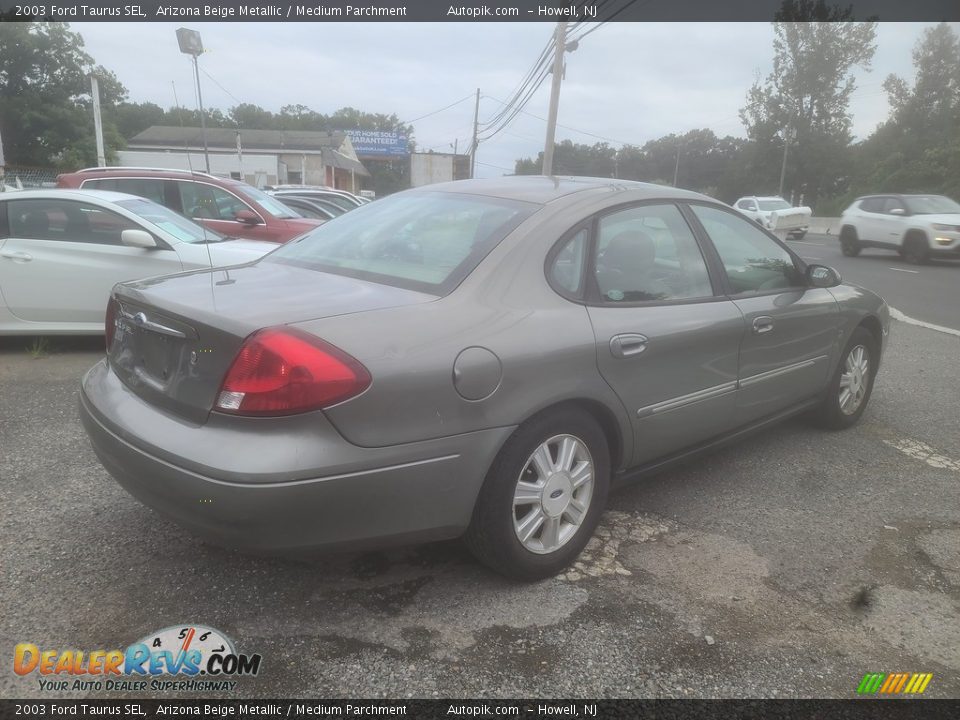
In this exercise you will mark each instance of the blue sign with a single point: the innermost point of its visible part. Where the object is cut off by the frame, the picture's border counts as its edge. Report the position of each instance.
(376, 143)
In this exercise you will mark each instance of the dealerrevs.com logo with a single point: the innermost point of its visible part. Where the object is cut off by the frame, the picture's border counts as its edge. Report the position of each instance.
(177, 658)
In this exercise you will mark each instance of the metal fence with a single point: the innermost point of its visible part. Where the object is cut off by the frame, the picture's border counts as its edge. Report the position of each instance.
(23, 178)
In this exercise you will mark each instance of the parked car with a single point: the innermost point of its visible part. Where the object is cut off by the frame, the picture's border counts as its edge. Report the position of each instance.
(355, 200)
(341, 200)
(61, 251)
(331, 207)
(916, 226)
(777, 215)
(227, 206)
(481, 358)
(311, 208)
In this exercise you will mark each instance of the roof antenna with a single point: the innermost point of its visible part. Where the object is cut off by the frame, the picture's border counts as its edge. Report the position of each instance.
(186, 147)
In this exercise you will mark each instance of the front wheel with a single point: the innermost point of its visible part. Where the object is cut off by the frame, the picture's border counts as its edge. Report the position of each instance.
(543, 496)
(852, 383)
(915, 250)
(849, 242)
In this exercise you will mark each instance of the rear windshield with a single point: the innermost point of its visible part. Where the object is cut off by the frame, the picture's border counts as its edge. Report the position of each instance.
(931, 205)
(774, 205)
(425, 241)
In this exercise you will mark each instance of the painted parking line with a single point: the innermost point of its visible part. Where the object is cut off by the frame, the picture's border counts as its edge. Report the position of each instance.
(925, 453)
(801, 242)
(897, 315)
(915, 272)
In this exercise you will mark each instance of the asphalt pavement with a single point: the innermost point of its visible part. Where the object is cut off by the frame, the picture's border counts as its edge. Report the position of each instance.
(787, 566)
(930, 293)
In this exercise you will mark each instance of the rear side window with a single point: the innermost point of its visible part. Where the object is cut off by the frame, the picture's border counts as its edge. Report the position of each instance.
(425, 241)
(753, 262)
(4, 226)
(151, 189)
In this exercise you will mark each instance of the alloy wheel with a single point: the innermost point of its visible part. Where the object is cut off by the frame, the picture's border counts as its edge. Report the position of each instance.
(854, 380)
(553, 494)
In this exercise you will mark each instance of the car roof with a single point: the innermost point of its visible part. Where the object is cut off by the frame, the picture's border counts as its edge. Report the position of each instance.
(541, 189)
(131, 171)
(110, 196)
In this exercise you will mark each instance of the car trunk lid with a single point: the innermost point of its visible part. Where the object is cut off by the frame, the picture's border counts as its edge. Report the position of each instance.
(176, 337)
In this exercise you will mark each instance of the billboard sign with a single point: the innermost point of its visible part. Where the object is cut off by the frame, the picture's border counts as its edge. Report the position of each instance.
(376, 143)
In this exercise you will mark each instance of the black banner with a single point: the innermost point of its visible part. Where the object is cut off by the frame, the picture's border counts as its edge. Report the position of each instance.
(428, 709)
(195, 11)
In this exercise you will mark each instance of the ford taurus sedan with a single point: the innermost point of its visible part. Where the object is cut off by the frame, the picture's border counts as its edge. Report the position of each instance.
(483, 358)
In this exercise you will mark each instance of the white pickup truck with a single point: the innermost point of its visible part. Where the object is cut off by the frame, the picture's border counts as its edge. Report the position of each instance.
(776, 215)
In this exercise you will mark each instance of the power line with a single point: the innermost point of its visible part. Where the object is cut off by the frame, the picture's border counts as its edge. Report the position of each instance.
(446, 107)
(216, 82)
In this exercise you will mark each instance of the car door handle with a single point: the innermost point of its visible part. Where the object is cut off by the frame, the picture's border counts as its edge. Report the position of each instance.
(17, 256)
(762, 324)
(627, 345)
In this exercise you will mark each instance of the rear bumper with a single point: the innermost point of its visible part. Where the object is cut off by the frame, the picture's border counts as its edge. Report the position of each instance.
(307, 489)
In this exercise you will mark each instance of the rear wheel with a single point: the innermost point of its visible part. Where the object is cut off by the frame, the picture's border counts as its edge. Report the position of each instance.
(916, 250)
(852, 383)
(543, 496)
(849, 242)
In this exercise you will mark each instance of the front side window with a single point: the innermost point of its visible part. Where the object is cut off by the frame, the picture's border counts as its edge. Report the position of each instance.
(647, 254)
(208, 202)
(173, 223)
(426, 241)
(66, 221)
(873, 205)
(891, 204)
(753, 261)
(746, 205)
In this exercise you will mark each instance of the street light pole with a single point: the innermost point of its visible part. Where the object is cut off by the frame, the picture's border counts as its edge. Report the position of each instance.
(191, 44)
(475, 142)
(559, 47)
(97, 121)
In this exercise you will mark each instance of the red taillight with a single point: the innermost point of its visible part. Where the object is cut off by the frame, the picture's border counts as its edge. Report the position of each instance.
(285, 371)
(110, 322)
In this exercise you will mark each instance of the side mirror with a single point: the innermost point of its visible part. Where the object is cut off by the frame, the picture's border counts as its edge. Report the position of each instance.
(138, 239)
(897, 211)
(821, 276)
(247, 217)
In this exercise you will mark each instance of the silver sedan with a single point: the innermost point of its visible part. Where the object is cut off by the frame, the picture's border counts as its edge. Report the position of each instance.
(483, 358)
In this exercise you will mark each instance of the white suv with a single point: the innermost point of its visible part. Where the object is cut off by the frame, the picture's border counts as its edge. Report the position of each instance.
(916, 226)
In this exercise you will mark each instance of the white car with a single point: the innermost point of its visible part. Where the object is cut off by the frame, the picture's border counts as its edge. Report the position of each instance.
(776, 214)
(916, 226)
(62, 251)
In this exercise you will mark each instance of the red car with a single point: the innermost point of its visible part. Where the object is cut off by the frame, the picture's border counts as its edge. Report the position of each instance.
(230, 207)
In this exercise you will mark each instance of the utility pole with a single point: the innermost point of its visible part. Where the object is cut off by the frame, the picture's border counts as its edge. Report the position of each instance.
(676, 168)
(559, 47)
(783, 168)
(3, 167)
(97, 122)
(473, 144)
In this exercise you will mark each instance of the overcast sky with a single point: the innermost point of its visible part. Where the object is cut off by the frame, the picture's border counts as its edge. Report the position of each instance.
(627, 82)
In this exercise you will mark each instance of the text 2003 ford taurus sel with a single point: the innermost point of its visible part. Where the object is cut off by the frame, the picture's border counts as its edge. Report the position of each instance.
(480, 358)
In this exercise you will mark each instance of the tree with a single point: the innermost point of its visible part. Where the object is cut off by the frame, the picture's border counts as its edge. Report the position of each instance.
(46, 116)
(807, 97)
(918, 148)
(252, 117)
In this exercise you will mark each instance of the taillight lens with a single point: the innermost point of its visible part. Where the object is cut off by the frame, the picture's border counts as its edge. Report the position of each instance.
(282, 371)
(110, 322)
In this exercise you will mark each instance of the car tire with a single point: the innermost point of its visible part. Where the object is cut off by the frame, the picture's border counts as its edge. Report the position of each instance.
(798, 235)
(507, 508)
(837, 411)
(915, 250)
(849, 242)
